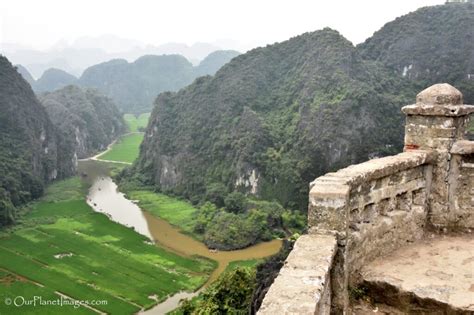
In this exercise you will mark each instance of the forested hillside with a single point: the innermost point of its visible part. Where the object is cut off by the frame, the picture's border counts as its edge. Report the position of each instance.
(272, 120)
(89, 120)
(32, 152)
(431, 45)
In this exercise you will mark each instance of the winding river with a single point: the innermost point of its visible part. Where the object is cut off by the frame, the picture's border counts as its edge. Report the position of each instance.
(104, 197)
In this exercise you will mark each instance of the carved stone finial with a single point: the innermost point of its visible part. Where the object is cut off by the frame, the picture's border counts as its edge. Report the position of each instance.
(440, 94)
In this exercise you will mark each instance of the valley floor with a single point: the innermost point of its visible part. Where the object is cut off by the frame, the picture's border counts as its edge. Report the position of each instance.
(63, 247)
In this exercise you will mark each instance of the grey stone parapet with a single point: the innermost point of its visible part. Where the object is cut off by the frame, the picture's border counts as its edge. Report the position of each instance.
(333, 195)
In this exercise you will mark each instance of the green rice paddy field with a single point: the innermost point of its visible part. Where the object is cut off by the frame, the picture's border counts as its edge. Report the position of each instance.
(127, 148)
(62, 245)
(136, 123)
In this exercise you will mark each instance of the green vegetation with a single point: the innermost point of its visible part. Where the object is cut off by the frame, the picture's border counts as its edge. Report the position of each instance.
(177, 212)
(257, 221)
(134, 86)
(32, 152)
(254, 277)
(251, 263)
(136, 123)
(230, 294)
(58, 243)
(87, 120)
(126, 149)
(241, 223)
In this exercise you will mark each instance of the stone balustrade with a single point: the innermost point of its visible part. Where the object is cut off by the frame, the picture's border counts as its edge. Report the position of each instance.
(373, 208)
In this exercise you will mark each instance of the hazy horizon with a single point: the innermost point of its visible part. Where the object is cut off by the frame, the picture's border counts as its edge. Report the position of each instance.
(240, 26)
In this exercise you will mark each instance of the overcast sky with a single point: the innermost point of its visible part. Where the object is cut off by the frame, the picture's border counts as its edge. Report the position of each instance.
(41, 24)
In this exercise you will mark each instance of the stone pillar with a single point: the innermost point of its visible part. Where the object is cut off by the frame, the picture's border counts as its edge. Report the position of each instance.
(436, 122)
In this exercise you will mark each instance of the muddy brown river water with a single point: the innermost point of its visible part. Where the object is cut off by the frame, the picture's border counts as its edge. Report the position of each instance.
(104, 197)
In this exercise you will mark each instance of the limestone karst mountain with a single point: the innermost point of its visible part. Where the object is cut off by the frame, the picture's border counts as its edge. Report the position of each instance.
(53, 79)
(134, 86)
(89, 120)
(431, 45)
(32, 151)
(272, 119)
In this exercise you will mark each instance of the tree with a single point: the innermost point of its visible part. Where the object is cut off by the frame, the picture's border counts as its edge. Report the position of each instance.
(235, 202)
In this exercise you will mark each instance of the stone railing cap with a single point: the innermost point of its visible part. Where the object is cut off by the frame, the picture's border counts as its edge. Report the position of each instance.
(339, 183)
(440, 94)
(438, 110)
(439, 100)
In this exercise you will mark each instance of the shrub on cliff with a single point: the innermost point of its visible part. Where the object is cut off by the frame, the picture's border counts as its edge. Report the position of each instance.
(231, 294)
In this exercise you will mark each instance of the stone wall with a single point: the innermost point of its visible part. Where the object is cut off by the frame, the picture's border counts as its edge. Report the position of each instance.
(376, 207)
(373, 208)
(462, 187)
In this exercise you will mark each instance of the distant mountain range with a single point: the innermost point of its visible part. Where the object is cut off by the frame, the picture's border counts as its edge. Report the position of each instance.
(74, 58)
(133, 86)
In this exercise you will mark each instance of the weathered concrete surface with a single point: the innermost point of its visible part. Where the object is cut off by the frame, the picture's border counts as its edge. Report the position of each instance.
(435, 276)
(303, 284)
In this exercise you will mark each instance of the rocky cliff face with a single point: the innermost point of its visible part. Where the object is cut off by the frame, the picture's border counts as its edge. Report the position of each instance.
(273, 119)
(32, 152)
(88, 120)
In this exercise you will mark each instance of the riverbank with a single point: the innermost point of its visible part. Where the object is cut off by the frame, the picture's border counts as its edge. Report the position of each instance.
(104, 197)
